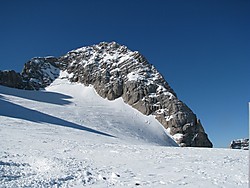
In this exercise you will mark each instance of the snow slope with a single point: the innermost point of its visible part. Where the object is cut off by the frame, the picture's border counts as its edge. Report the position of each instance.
(68, 136)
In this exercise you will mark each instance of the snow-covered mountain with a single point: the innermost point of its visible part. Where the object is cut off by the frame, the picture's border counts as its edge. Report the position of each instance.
(115, 72)
(68, 136)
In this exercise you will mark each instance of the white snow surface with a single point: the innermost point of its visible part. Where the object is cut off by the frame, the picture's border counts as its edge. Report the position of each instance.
(68, 136)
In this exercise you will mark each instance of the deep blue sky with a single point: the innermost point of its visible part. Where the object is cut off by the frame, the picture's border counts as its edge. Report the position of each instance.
(201, 47)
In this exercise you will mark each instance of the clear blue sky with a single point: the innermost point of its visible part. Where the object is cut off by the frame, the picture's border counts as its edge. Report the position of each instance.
(201, 47)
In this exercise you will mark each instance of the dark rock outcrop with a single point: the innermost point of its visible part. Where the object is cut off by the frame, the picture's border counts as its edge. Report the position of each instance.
(11, 79)
(40, 72)
(115, 71)
(37, 73)
(240, 144)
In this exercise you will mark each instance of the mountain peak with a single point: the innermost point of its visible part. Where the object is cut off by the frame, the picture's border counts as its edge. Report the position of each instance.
(115, 71)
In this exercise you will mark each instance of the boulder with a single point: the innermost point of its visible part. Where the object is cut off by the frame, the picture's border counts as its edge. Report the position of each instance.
(240, 144)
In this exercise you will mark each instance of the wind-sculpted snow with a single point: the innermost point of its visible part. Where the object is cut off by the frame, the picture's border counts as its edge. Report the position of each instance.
(44, 154)
(78, 162)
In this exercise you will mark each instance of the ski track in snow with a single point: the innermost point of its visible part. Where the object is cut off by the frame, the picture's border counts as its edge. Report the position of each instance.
(117, 146)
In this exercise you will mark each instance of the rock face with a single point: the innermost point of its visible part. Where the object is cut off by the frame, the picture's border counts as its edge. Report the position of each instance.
(36, 74)
(115, 71)
(40, 72)
(11, 79)
(240, 144)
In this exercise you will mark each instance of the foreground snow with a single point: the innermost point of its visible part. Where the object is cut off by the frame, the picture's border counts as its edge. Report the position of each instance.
(67, 136)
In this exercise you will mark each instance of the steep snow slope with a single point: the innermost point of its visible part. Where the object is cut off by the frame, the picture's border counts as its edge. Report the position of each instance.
(69, 136)
(83, 107)
(113, 117)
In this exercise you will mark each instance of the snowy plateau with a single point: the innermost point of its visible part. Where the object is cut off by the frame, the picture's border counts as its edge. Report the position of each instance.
(68, 136)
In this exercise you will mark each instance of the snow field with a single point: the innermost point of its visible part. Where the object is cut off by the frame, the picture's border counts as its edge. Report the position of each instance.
(68, 136)
(72, 160)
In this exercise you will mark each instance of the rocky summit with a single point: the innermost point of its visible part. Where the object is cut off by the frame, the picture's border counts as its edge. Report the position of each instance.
(115, 71)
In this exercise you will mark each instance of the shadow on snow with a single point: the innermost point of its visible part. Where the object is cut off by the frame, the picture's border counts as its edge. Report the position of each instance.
(12, 110)
(40, 96)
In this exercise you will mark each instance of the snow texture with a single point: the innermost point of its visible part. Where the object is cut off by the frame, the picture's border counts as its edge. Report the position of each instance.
(68, 136)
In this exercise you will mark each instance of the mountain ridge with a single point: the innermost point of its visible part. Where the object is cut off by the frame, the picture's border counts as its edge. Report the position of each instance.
(115, 71)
